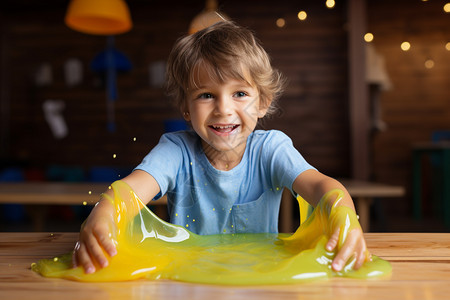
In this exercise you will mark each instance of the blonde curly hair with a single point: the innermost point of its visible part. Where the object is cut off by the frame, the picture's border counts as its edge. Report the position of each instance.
(226, 50)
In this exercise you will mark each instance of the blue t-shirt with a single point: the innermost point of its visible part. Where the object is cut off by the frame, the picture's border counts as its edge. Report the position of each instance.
(210, 201)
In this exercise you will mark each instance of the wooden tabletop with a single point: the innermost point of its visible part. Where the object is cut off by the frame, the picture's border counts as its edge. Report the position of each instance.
(77, 193)
(88, 193)
(369, 189)
(62, 193)
(420, 261)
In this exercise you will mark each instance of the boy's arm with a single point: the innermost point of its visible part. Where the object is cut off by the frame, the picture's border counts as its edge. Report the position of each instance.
(312, 185)
(96, 235)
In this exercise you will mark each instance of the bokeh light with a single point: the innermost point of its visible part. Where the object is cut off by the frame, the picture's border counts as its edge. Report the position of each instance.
(302, 15)
(405, 46)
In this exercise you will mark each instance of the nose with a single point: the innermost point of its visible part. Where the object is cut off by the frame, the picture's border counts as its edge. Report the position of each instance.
(223, 106)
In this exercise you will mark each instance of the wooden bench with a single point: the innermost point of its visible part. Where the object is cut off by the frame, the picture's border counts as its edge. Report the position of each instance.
(59, 193)
(362, 193)
(62, 193)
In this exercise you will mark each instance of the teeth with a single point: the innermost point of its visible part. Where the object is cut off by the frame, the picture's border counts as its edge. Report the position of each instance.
(223, 127)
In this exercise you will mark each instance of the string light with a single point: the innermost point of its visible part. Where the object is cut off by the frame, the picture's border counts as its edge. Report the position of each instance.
(429, 63)
(330, 3)
(447, 46)
(368, 37)
(281, 22)
(302, 15)
(405, 46)
(447, 7)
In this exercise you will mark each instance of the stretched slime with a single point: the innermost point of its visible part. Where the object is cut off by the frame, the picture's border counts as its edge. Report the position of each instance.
(150, 248)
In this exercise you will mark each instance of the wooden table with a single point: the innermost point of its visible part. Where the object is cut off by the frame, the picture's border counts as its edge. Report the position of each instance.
(362, 192)
(420, 261)
(59, 193)
(62, 193)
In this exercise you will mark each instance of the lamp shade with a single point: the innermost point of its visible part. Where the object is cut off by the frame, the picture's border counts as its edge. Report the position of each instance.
(101, 17)
(207, 17)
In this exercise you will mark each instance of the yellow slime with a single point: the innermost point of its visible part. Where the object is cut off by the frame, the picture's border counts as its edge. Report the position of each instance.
(150, 248)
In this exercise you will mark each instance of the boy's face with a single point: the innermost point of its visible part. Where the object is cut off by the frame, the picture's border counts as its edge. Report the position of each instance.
(223, 114)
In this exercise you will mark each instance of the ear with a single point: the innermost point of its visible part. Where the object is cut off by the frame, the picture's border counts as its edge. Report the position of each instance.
(262, 112)
(263, 108)
(187, 116)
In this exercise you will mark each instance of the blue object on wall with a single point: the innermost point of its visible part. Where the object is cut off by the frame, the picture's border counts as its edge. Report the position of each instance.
(12, 212)
(109, 62)
(171, 125)
(107, 174)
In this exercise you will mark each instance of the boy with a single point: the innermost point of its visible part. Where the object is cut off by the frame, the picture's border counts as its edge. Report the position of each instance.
(221, 176)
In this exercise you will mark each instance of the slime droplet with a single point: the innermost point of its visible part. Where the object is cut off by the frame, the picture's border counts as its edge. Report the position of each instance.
(150, 248)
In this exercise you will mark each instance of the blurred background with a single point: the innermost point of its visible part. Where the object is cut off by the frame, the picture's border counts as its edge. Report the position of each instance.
(368, 81)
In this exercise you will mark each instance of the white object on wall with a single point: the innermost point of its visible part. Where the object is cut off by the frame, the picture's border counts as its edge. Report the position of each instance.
(376, 72)
(43, 75)
(157, 73)
(73, 72)
(53, 115)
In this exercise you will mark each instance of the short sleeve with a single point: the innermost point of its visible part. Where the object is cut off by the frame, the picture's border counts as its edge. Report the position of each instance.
(283, 160)
(163, 162)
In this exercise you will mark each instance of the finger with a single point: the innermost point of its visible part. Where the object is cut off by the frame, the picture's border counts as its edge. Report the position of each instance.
(362, 256)
(84, 259)
(74, 255)
(333, 242)
(107, 243)
(344, 254)
(360, 259)
(95, 251)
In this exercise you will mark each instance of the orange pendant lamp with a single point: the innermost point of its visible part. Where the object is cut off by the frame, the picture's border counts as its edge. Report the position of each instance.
(102, 17)
(207, 17)
(99, 17)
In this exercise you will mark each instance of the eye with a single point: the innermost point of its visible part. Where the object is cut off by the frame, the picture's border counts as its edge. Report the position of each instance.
(205, 96)
(240, 94)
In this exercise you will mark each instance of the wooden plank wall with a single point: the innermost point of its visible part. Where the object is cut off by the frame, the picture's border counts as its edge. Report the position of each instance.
(419, 101)
(312, 54)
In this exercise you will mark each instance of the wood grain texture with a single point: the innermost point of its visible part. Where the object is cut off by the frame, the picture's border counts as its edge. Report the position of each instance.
(421, 270)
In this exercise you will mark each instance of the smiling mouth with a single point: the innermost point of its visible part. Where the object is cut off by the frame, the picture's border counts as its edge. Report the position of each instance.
(223, 129)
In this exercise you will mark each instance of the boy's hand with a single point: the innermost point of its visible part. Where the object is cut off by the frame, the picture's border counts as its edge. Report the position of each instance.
(353, 246)
(344, 230)
(95, 241)
(335, 206)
